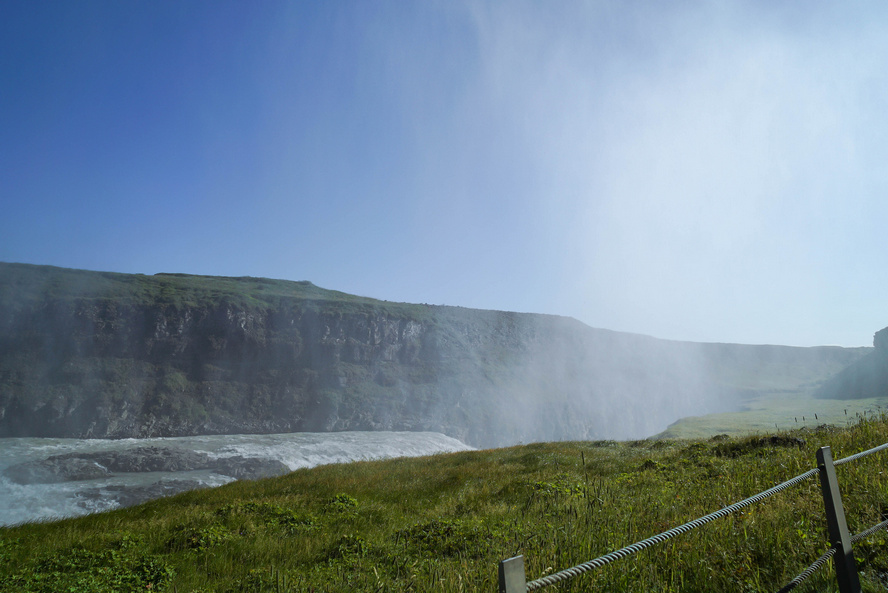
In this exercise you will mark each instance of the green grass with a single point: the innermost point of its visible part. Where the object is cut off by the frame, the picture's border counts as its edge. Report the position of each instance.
(767, 412)
(24, 284)
(443, 523)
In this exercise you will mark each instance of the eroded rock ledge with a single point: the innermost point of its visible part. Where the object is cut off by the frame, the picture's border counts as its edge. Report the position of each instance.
(90, 466)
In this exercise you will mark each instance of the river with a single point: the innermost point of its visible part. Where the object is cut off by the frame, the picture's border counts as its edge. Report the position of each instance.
(39, 502)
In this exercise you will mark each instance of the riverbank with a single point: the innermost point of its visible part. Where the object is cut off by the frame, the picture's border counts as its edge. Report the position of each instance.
(42, 479)
(442, 523)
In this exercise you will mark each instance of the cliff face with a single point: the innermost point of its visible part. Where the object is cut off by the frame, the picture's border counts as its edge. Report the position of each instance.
(866, 378)
(90, 354)
(101, 368)
(880, 341)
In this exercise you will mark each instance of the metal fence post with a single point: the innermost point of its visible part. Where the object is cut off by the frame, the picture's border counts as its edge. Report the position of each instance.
(846, 568)
(511, 575)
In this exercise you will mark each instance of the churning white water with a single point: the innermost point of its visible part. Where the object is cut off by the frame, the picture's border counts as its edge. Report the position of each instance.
(35, 502)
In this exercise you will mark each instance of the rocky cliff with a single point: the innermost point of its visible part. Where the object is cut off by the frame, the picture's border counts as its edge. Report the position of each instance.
(92, 354)
(865, 378)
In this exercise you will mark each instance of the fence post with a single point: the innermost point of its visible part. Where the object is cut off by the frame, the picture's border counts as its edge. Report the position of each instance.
(846, 569)
(511, 575)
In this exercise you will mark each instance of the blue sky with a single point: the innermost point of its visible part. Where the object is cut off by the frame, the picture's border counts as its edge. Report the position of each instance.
(707, 171)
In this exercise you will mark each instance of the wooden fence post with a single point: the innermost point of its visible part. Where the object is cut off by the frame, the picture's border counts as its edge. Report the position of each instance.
(511, 575)
(846, 568)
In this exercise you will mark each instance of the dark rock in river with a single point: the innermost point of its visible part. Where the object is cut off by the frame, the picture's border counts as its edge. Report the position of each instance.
(54, 469)
(89, 466)
(127, 496)
(149, 459)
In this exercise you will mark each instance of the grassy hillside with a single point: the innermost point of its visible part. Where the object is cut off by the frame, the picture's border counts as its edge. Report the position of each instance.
(782, 390)
(443, 523)
(770, 411)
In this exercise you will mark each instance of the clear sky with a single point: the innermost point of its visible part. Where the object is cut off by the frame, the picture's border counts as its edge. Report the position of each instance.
(706, 171)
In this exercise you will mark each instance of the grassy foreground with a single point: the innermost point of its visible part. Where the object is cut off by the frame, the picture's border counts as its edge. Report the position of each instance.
(442, 523)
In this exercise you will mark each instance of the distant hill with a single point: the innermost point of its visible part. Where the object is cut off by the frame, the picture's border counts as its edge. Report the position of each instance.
(97, 354)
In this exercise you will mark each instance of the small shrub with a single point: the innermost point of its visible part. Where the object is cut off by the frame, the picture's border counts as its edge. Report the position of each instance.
(197, 538)
(757, 445)
(272, 515)
(79, 570)
(342, 503)
(447, 538)
(349, 546)
(560, 485)
(651, 465)
(6, 547)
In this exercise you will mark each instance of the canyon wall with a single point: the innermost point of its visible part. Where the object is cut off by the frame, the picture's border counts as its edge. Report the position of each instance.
(90, 354)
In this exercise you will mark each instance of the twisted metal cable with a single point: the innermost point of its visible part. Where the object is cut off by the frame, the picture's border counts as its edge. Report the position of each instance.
(854, 538)
(661, 537)
(829, 554)
(809, 571)
(869, 532)
(856, 456)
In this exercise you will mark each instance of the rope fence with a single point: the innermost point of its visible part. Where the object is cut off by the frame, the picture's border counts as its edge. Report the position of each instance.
(511, 571)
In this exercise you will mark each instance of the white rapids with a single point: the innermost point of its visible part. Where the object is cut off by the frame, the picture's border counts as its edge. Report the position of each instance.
(40, 502)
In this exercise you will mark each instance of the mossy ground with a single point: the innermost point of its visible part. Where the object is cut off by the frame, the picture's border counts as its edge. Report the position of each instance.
(443, 523)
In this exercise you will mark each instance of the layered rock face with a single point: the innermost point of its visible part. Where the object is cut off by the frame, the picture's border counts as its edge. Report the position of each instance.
(87, 354)
(106, 369)
(880, 341)
(866, 378)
